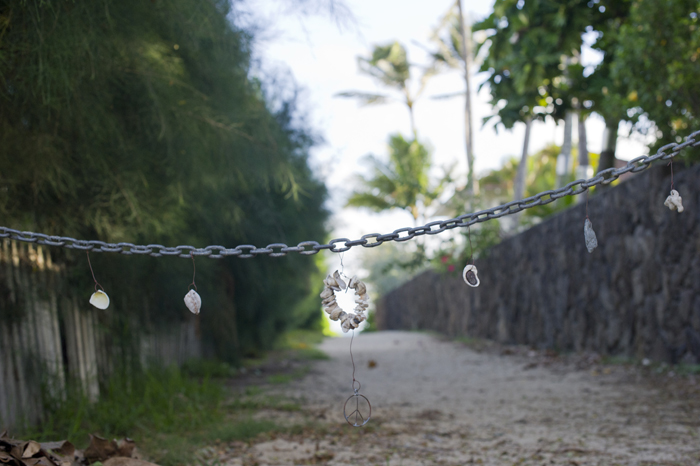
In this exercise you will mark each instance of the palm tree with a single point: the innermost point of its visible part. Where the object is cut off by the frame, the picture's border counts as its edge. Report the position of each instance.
(453, 40)
(402, 183)
(389, 65)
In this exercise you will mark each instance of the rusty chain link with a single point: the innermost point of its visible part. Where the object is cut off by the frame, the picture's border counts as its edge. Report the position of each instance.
(370, 240)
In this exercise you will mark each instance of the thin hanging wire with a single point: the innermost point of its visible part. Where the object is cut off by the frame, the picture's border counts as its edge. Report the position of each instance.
(359, 385)
(194, 272)
(471, 249)
(670, 162)
(93, 273)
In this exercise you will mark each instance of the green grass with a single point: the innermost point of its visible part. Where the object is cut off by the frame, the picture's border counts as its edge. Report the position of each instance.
(164, 400)
(170, 449)
(657, 367)
(687, 369)
(170, 413)
(311, 354)
(300, 345)
(299, 339)
(258, 401)
(617, 360)
(208, 368)
(173, 413)
(286, 378)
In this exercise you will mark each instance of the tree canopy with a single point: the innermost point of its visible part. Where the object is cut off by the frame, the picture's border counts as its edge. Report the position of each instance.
(401, 183)
(140, 121)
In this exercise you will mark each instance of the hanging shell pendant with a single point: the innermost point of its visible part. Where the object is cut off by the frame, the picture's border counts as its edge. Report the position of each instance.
(335, 283)
(589, 235)
(674, 201)
(100, 300)
(470, 276)
(193, 302)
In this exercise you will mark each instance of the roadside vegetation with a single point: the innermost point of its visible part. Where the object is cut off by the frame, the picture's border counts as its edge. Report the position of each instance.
(174, 413)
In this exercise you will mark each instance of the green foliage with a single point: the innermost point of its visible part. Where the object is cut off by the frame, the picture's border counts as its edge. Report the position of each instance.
(157, 400)
(138, 121)
(170, 414)
(497, 185)
(388, 268)
(401, 183)
(389, 65)
(207, 368)
(280, 379)
(649, 69)
(454, 253)
(447, 37)
(300, 344)
(525, 48)
(657, 59)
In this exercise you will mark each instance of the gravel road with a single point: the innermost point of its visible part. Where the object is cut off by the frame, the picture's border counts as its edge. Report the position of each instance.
(444, 402)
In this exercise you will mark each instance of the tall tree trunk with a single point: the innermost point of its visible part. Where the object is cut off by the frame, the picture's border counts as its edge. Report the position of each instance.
(414, 130)
(465, 32)
(564, 159)
(582, 144)
(607, 155)
(521, 174)
(583, 162)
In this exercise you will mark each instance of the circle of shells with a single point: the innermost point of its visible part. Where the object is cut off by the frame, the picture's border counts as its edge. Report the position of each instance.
(350, 320)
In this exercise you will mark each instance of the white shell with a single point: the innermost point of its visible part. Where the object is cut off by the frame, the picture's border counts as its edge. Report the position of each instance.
(330, 281)
(674, 201)
(99, 299)
(362, 299)
(193, 302)
(470, 268)
(339, 280)
(326, 293)
(589, 235)
(331, 307)
(335, 315)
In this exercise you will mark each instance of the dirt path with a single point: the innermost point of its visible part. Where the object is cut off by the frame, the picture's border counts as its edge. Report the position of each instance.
(440, 402)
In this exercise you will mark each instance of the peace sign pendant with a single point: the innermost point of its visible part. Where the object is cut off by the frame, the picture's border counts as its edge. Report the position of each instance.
(358, 404)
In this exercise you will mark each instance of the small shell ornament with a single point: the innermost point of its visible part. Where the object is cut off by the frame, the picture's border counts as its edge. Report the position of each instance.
(589, 235)
(470, 276)
(674, 201)
(100, 300)
(193, 302)
(335, 283)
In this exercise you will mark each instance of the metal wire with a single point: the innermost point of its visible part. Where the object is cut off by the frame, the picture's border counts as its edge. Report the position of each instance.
(370, 240)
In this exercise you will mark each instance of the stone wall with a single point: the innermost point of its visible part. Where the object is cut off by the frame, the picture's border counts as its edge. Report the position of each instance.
(638, 294)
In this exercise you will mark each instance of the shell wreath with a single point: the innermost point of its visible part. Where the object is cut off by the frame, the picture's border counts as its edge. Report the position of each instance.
(336, 283)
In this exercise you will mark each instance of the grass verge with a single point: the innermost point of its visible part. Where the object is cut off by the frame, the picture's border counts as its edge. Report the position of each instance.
(172, 413)
(168, 412)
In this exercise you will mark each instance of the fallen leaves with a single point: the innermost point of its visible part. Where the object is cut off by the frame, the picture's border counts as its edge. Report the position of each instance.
(14, 452)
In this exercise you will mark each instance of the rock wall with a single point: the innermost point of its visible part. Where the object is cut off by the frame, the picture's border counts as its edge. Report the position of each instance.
(637, 294)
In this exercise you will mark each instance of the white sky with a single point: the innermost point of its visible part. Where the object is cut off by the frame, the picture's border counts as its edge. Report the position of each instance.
(322, 58)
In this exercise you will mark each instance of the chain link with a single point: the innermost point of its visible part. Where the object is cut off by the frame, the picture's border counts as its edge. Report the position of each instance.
(367, 241)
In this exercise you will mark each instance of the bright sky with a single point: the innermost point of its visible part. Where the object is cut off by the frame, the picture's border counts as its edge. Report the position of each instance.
(322, 58)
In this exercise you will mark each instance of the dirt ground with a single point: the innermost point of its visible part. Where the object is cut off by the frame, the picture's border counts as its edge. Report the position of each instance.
(444, 402)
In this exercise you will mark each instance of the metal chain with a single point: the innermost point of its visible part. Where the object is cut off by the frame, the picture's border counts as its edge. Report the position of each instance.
(370, 240)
